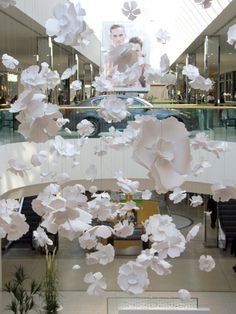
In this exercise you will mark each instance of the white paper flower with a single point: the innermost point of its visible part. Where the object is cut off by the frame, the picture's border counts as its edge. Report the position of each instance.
(76, 267)
(124, 229)
(62, 121)
(17, 227)
(113, 109)
(199, 167)
(69, 72)
(17, 168)
(206, 263)
(7, 207)
(184, 295)
(193, 232)
(119, 140)
(146, 195)
(190, 71)
(97, 283)
(133, 277)
(91, 172)
(195, 201)
(162, 36)
(63, 147)
(199, 82)
(38, 159)
(76, 85)
(102, 84)
(85, 128)
(88, 241)
(223, 191)
(177, 196)
(93, 189)
(9, 61)
(6, 3)
(41, 237)
(232, 35)
(127, 207)
(131, 10)
(62, 178)
(104, 255)
(163, 147)
(127, 186)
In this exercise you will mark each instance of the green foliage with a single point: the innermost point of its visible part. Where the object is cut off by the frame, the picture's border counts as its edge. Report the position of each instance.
(22, 300)
(51, 293)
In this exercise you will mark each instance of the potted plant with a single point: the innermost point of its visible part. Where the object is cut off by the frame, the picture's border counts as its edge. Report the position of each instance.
(22, 299)
(51, 291)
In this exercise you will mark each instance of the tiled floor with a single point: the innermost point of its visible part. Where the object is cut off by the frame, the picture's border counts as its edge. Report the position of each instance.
(216, 289)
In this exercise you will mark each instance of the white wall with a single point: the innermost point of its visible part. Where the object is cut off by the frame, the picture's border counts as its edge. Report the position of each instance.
(223, 168)
(41, 10)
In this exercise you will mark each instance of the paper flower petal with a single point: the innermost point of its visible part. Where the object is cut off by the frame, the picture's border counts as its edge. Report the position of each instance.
(184, 295)
(8, 61)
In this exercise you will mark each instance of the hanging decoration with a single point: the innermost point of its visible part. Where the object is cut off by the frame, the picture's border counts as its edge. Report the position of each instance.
(131, 10)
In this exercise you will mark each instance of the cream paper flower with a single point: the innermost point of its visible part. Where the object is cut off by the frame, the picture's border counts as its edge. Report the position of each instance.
(223, 191)
(85, 128)
(124, 229)
(132, 278)
(193, 232)
(17, 168)
(41, 236)
(146, 195)
(127, 186)
(113, 109)
(163, 147)
(206, 263)
(131, 10)
(104, 255)
(184, 295)
(69, 72)
(6, 3)
(68, 24)
(232, 35)
(177, 196)
(199, 82)
(39, 158)
(195, 201)
(76, 85)
(8, 61)
(162, 36)
(97, 283)
(190, 71)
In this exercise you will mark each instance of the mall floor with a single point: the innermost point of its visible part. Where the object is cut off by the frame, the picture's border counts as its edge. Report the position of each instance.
(216, 289)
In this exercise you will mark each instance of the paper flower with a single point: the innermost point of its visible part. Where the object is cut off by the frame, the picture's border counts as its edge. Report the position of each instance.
(131, 10)
(163, 147)
(177, 196)
(199, 82)
(41, 237)
(63, 147)
(124, 229)
(127, 207)
(76, 267)
(62, 178)
(164, 63)
(17, 168)
(223, 191)
(104, 255)
(127, 186)
(199, 167)
(232, 35)
(195, 201)
(17, 227)
(85, 128)
(184, 295)
(162, 36)
(146, 195)
(190, 71)
(68, 25)
(206, 263)
(97, 283)
(9, 61)
(76, 85)
(88, 241)
(38, 159)
(62, 121)
(119, 140)
(69, 72)
(193, 232)
(93, 189)
(204, 3)
(113, 109)
(102, 84)
(132, 277)
(6, 3)
(6, 209)
(91, 172)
